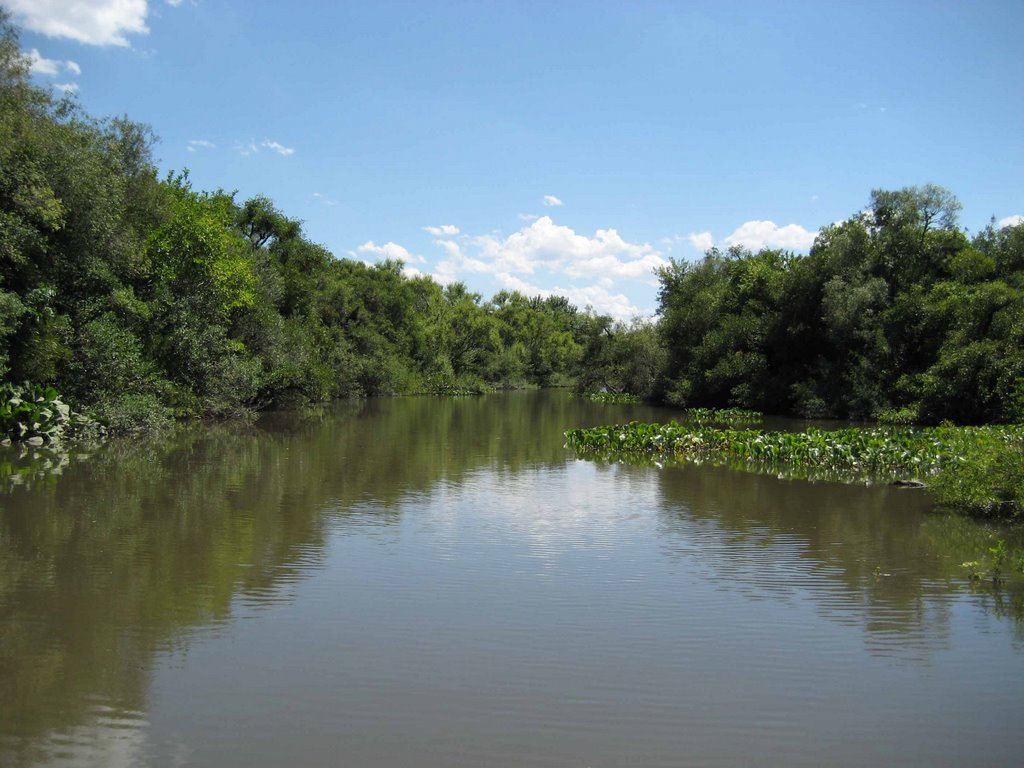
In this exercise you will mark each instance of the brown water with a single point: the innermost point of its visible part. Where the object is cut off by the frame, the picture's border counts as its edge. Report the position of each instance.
(430, 582)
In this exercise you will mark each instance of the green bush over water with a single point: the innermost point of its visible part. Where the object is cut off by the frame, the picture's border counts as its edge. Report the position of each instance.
(978, 470)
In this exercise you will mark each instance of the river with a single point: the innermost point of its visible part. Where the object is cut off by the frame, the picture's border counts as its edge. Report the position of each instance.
(439, 582)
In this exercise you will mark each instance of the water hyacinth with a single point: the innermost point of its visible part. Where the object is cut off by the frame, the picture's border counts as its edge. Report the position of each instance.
(976, 469)
(723, 416)
(613, 398)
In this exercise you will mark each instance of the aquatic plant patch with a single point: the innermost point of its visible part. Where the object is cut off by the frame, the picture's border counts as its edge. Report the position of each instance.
(979, 470)
(723, 416)
(613, 398)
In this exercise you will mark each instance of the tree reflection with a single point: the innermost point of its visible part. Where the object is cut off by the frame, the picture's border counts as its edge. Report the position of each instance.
(878, 557)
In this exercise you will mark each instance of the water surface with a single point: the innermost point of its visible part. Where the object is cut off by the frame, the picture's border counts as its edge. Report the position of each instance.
(434, 582)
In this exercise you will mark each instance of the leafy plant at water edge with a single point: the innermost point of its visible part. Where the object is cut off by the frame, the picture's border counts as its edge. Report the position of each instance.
(35, 414)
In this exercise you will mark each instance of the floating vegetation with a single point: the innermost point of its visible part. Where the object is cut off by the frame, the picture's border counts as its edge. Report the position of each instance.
(723, 416)
(979, 470)
(448, 386)
(613, 398)
(453, 391)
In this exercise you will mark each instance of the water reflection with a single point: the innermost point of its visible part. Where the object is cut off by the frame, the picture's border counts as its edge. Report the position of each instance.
(131, 550)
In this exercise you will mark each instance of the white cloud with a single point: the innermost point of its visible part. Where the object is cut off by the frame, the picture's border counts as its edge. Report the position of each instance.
(641, 268)
(597, 296)
(702, 241)
(412, 272)
(94, 22)
(281, 149)
(552, 201)
(41, 66)
(544, 244)
(601, 270)
(444, 229)
(767, 234)
(1011, 221)
(66, 87)
(453, 249)
(247, 149)
(558, 253)
(528, 216)
(174, 3)
(196, 144)
(390, 251)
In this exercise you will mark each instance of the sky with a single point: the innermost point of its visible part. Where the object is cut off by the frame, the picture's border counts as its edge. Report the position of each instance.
(566, 148)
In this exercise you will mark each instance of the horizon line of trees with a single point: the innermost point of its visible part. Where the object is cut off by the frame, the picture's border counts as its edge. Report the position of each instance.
(140, 298)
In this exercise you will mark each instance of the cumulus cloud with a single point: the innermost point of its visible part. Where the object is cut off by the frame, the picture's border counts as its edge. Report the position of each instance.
(556, 248)
(452, 248)
(602, 270)
(390, 251)
(443, 230)
(552, 202)
(702, 241)
(590, 265)
(1011, 221)
(66, 87)
(94, 22)
(197, 144)
(597, 296)
(281, 149)
(767, 234)
(40, 65)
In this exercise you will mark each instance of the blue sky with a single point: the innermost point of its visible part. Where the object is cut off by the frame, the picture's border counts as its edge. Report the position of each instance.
(557, 147)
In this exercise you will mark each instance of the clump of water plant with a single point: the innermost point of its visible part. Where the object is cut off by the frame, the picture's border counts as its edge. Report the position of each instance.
(613, 398)
(979, 470)
(35, 414)
(991, 566)
(443, 386)
(987, 479)
(723, 416)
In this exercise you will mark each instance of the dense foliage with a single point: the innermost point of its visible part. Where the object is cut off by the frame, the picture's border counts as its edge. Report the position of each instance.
(894, 315)
(143, 298)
